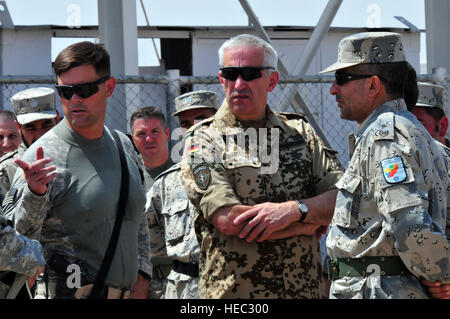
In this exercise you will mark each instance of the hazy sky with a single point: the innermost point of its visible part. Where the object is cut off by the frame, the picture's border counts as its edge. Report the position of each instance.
(352, 13)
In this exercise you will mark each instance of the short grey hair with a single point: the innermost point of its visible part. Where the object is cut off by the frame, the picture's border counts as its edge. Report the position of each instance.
(248, 40)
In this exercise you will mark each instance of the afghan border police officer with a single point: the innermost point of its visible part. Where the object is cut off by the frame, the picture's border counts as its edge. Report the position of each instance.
(18, 254)
(71, 206)
(227, 174)
(387, 232)
(168, 203)
(36, 114)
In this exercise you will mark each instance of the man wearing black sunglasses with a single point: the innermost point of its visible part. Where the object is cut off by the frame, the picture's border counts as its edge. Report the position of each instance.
(71, 206)
(388, 228)
(249, 215)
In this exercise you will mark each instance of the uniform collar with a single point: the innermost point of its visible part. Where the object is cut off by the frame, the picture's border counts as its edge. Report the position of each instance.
(227, 120)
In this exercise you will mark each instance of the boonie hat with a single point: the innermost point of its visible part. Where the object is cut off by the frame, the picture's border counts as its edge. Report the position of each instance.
(196, 100)
(34, 104)
(368, 47)
(432, 95)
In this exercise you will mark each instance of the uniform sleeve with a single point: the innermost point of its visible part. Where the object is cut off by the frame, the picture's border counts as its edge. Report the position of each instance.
(26, 209)
(19, 253)
(144, 246)
(410, 192)
(326, 168)
(155, 220)
(204, 177)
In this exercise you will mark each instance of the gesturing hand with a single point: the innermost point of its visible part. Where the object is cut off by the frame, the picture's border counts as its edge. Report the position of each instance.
(36, 173)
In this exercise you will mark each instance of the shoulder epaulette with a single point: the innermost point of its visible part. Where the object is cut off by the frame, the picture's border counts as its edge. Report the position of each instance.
(293, 116)
(170, 169)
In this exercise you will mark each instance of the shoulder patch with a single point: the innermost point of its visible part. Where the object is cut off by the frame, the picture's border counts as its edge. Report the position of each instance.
(202, 175)
(393, 170)
(293, 116)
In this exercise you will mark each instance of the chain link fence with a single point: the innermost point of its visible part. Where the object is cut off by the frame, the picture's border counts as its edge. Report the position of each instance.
(133, 92)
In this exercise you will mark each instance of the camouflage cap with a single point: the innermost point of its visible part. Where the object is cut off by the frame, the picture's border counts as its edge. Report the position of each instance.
(195, 100)
(34, 104)
(368, 47)
(431, 95)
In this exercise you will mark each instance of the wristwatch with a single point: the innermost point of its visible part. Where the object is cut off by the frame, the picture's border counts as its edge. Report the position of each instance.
(303, 210)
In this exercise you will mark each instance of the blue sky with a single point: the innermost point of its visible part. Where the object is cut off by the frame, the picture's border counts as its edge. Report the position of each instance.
(352, 13)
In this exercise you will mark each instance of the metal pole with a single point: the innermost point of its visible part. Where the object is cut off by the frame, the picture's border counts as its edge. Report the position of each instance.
(297, 102)
(118, 31)
(173, 90)
(313, 44)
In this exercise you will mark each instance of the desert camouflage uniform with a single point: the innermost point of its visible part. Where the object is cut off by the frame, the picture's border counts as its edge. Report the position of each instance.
(174, 214)
(377, 216)
(18, 254)
(8, 169)
(83, 238)
(229, 174)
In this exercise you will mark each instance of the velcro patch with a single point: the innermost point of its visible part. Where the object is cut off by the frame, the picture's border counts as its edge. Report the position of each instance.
(393, 170)
(202, 175)
(10, 198)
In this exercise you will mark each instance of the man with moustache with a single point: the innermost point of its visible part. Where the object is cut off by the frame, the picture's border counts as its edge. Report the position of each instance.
(253, 207)
(388, 228)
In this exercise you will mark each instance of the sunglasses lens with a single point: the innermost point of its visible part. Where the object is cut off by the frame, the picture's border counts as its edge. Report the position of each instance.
(65, 92)
(341, 79)
(230, 74)
(86, 90)
(250, 74)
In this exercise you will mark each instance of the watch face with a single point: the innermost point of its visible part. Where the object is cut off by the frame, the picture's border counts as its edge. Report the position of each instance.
(303, 208)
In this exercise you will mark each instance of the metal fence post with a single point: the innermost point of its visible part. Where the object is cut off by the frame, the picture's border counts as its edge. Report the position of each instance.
(173, 90)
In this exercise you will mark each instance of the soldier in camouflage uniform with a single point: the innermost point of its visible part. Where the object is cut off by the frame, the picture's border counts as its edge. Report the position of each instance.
(173, 213)
(36, 114)
(388, 228)
(17, 254)
(150, 134)
(430, 110)
(71, 206)
(244, 169)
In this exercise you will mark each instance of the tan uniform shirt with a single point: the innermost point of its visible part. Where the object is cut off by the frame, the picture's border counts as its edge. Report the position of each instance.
(220, 169)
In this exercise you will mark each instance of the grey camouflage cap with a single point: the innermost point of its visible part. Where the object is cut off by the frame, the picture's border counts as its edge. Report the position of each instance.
(368, 47)
(431, 95)
(196, 100)
(34, 104)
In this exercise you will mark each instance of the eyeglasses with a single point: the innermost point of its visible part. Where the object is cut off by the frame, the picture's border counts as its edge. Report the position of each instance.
(248, 73)
(83, 90)
(342, 78)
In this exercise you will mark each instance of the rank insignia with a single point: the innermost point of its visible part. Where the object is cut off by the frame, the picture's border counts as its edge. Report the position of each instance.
(202, 175)
(393, 170)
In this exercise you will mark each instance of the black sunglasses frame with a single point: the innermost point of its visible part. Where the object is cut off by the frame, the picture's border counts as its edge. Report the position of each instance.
(248, 73)
(83, 90)
(343, 78)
